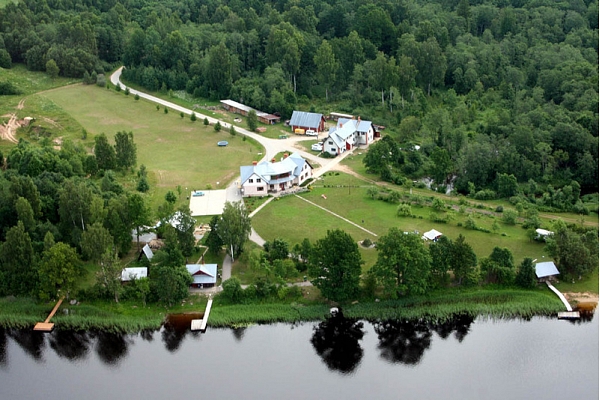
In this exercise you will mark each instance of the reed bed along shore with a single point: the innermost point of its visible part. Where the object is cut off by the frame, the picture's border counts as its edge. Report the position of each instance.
(436, 307)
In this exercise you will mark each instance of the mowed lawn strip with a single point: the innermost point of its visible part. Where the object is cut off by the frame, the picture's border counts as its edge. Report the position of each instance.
(177, 150)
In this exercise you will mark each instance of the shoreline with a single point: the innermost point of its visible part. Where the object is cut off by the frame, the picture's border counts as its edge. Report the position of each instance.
(436, 307)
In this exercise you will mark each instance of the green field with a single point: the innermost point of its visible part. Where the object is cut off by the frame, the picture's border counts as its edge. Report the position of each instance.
(176, 151)
(305, 220)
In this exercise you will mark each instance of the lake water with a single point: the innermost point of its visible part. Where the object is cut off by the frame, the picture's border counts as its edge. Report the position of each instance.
(336, 359)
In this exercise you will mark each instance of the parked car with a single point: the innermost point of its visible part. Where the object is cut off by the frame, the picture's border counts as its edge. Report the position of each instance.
(311, 132)
(317, 147)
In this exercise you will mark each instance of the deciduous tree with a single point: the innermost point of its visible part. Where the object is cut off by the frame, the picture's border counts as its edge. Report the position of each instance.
(234, 227)
(335, 265)
(403, 263)
(58, 271)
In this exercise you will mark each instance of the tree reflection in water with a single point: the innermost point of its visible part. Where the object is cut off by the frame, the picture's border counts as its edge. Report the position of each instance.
(336, 340)
(460, 324)
(405, 341)
(238, 333)
(3, 341)
(29, 340)
(173, 336)
(111, 347)
(71, 345)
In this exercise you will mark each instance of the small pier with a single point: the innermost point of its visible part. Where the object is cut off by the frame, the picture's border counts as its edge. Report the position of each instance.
(200, 324)
(570, 314)
(47, 326)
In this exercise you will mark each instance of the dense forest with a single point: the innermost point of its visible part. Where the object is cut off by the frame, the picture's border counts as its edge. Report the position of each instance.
(495, 93)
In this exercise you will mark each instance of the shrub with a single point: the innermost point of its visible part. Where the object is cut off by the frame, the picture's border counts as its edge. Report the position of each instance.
(509, 217)
(485, 194)
(101, 80)
(136, 97)
(217, 126)
(499, 209)
(205, 121)
(127, 91)
(367, 242)
(404, 210)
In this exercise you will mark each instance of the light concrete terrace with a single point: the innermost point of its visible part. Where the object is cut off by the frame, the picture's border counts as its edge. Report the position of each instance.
(211, 202)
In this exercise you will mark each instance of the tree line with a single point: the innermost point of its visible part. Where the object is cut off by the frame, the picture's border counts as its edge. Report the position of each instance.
(483, 87)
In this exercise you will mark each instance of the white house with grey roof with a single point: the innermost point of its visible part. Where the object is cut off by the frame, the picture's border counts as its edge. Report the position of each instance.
(347, 134)
(306, 121)
(274, 177)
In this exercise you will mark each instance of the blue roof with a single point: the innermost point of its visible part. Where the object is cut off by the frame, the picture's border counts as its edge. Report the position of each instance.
(203, 273)
(544, 269)
(293, 165)
(307, 119)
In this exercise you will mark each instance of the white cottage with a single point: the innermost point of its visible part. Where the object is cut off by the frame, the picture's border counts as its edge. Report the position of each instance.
(347, 134)
(274, 177)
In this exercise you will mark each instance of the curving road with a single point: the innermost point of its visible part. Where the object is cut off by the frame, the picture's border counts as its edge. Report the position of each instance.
(272, 146)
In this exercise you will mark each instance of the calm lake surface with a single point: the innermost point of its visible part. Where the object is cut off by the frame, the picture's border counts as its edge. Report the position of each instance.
(336, 359)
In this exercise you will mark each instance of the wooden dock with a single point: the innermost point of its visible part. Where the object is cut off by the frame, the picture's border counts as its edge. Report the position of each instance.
(569, 315)
(47, 326)
(200, 324)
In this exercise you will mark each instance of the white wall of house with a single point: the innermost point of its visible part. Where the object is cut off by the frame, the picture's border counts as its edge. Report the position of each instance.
(255, 186)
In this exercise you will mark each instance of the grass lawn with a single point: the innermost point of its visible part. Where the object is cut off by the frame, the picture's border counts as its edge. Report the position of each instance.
(587, 284)
(305, 220)
(176, 151)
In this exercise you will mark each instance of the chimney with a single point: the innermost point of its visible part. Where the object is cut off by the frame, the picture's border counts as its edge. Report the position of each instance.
(254, 162)
(273, 160)
(285, 155)
(341, 125)
(359, 119)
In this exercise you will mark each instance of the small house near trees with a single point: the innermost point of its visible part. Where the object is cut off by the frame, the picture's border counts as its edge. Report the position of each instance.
(303, 121)
(204, 275)
(545, 271)
(274, 177)
(348, 134)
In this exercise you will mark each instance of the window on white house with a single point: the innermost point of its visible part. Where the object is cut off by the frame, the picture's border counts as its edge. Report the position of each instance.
(258, 180)
(251, 180)
(260, 189)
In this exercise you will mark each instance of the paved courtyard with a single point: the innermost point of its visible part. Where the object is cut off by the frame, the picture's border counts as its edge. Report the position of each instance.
(211, 203)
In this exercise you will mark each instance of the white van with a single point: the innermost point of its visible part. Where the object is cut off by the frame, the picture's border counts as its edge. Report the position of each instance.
(311, 132)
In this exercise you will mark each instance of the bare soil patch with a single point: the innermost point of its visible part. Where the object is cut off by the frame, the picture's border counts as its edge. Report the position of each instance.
(8, 130)
(585, 297)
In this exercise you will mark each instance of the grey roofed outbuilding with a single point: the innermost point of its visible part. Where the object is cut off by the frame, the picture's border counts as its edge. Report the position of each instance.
(306, 119)
(148, 252)
(545, 269)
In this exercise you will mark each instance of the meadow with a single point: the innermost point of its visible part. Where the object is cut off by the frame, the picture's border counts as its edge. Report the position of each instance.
(176, 151)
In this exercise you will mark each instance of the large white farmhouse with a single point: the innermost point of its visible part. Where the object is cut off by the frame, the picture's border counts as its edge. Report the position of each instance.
(347, 134)
(274, 177)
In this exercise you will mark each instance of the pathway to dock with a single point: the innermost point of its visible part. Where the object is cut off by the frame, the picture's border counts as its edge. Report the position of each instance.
(560, 296)
(47, 326)
(200, 324)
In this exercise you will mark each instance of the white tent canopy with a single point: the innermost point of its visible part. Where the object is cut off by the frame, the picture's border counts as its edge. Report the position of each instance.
(432, 235)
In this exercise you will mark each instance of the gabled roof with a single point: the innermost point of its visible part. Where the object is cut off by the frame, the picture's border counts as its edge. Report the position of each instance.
(544, 269)
(293, 165)
(128, 274)
(148, 252)
(203, 273)
(346, 128)
(310, 120)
